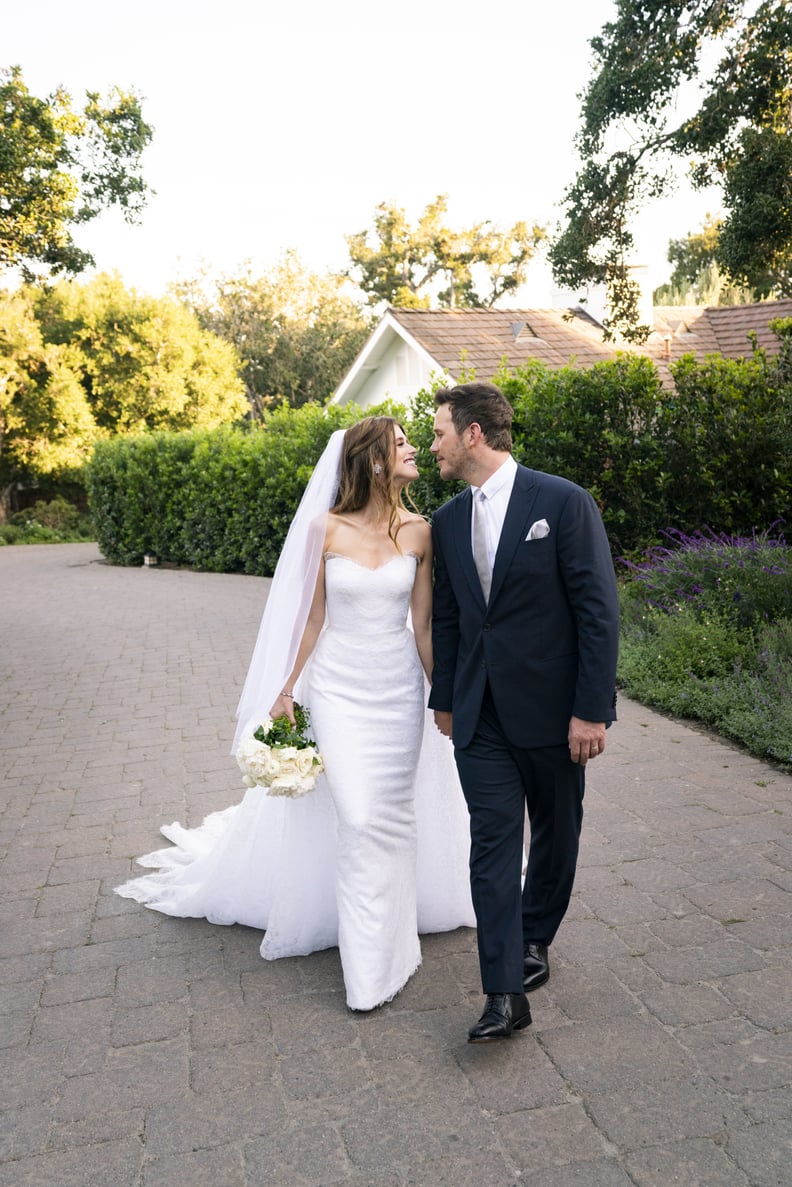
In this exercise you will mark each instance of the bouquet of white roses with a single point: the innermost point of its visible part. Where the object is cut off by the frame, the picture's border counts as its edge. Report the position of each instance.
(281, 756)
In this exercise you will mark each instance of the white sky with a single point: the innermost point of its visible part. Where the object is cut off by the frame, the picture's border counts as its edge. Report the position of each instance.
(283, 125)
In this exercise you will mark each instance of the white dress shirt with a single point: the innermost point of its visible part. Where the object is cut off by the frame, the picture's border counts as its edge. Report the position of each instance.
(497, 492)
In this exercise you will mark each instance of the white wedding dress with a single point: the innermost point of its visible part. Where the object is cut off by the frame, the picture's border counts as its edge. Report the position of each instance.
(377, 853)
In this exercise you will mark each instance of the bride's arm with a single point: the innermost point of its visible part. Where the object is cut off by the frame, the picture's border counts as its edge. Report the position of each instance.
(284, 702)
(421, 606)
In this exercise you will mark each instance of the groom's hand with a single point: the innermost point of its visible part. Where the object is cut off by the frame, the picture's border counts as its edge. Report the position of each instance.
(443, 721)
(586, 739)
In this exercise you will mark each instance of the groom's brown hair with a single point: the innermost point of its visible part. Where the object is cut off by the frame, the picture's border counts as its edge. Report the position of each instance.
(483, 404)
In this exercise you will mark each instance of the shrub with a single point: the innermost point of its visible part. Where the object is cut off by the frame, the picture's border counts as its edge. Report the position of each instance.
(138, 492)
(707, 634)
(742, 578)
(245, 487)
(54, 521)
(717, 450)
(219, 499)
(755, 706)
(749, 700)
(597, 428)
(675, 648)
(57, 513)
(725, 437)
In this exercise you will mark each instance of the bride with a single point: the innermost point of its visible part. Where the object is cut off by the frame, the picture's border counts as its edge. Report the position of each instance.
(378, 852)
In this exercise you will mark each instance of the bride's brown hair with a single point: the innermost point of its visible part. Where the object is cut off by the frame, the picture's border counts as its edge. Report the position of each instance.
(367, 459)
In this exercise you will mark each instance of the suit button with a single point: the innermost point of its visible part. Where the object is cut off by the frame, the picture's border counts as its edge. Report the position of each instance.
(483, 663)
(487, 626)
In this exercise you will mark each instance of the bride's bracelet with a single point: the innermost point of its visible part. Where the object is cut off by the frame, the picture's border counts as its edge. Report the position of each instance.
(287, 694)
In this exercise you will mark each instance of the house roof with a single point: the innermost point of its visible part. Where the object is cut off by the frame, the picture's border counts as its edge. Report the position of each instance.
(732, 325)
(559, 337)
(457, 340)
(460, 339)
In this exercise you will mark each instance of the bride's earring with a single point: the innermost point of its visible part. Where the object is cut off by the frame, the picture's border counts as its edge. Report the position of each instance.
(377, 468)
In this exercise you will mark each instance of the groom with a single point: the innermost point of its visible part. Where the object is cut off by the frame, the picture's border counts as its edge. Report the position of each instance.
(525, 643)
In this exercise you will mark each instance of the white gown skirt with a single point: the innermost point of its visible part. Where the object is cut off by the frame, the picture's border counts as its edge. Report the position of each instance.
(371, 772)
(377, 853)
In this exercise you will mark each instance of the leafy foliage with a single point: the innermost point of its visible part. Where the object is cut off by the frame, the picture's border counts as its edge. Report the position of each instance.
(79, 362)
(54, 521)
(60, 167)
(220, 500)
(741, 579)
(295, 333)
(697, 278)
(635, 121)
(707, 634)
(144, 362)
(756, 242)
(719, 450)
(283, 733)
(46, 424)
(403, 265)
(695, 252)
(728, 435)
(596, 427)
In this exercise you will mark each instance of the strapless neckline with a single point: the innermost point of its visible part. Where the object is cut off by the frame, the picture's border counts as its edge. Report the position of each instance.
(342, 556)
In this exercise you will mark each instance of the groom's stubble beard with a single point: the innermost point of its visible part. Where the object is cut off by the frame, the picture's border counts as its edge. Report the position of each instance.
(452, 470)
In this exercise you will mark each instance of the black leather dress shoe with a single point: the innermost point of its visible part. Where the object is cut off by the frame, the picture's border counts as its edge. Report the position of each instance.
(503, 1014)
(536, 966)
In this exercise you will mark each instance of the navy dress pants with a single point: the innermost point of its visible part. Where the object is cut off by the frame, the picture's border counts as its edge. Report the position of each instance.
(500, 781)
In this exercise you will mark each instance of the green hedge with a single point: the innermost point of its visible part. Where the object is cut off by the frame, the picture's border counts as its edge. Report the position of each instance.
(218, 499)
(598, 428)
(715, 451)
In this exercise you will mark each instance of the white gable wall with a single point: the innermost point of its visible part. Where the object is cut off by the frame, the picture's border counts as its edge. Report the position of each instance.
(398, 376)
(391, 366)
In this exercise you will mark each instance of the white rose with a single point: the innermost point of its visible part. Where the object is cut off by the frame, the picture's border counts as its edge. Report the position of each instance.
(305, 761)
(298, 770)
(256, 761)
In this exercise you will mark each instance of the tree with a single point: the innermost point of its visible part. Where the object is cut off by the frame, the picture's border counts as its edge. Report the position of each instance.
(46, 425)
(697, 279)
(404, 265)
(296, 332)
(144, 362)
(694, 252)
(756, 241)
(82, 362)
(59, 168)
(646, 62)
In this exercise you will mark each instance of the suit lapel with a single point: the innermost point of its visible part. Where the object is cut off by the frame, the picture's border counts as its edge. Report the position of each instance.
(515, 526)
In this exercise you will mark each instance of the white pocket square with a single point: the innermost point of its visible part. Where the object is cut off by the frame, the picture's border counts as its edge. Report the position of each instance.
(539, 530)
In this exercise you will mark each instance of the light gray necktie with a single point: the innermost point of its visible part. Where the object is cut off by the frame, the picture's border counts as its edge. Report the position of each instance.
(480, 550)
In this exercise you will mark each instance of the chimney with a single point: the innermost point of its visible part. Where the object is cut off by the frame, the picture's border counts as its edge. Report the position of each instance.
(595, 301)
(591, 301)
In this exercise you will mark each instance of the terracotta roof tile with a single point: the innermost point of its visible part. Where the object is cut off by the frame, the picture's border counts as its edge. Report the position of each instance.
(481, 339)
(733, 324)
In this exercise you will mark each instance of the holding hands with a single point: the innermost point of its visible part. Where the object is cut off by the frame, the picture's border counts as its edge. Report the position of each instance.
(443, 721)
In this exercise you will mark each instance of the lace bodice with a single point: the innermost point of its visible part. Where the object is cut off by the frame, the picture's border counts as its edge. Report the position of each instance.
(368, 601)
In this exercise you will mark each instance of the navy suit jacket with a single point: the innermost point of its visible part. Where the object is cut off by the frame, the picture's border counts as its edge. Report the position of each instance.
(547, 641)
